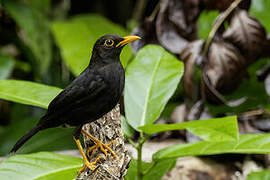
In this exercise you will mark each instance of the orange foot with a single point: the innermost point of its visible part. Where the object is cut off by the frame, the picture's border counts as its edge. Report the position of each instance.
(100, 145)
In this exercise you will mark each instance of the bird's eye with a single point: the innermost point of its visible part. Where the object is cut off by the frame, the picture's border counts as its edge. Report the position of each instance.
(109, 42)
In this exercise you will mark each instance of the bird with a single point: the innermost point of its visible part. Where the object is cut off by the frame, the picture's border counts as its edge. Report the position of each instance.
(91, 95)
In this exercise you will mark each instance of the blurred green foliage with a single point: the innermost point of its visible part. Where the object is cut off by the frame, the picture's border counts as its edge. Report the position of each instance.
(259, 175)
(75, 36)
(153, 170)
(35, 32)
(205, 22)
(260, 9)
(6, 66)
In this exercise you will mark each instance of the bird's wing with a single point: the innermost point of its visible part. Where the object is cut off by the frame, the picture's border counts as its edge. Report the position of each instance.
(86, 86)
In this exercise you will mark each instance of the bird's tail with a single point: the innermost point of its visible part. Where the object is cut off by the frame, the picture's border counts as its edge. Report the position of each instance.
(26, 137)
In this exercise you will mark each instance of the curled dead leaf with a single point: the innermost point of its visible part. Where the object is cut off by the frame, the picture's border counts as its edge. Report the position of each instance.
(190, 55)
(247, 34)
(267, 84)
(175, 25)
(225, 68)
(266, 52)
(222, 72)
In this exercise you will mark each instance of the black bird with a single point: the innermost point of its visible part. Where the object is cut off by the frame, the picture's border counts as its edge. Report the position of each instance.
(91, 95)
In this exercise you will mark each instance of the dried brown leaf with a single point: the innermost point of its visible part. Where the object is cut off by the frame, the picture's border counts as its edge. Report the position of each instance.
(226, 67)
(246, 33)
(190, 56)
(266, 52)
(267, 84)
(179, 114)
(175, 25)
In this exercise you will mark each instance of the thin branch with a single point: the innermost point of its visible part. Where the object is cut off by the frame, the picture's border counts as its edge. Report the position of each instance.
(154, 12)
(132, 143)
(139, 10)
(222, 17)
(220, 20)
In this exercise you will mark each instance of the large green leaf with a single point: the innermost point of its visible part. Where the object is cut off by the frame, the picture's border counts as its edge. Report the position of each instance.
(6, 66)
(76, 37)
(248, 143)
(260, 175)
(153, 170)
(151, 79)
(27, 92)
(36, 30)
(40, 166)
(217, 129)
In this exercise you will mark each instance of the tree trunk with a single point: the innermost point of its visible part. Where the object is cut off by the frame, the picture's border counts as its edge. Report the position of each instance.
(107, 129)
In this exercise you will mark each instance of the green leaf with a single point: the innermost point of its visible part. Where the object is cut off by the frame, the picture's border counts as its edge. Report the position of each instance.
(260, 9)
(153, 170)
(126, 128)
(40, 166)
(36, 30)
(76, 37)
(261, 175)
(27, 92)
(217, 129)
(151, 79)
(132, 170)
(248, 143)
(6, 66)
(158, 169)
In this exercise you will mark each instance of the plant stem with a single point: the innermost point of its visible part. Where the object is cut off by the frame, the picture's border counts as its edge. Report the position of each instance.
(139, 157)
(139, 10)
(139, 161)
(132, 143)
(154, 12)
(222, 17)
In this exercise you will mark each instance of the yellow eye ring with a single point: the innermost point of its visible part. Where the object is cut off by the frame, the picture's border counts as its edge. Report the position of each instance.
(109, 42)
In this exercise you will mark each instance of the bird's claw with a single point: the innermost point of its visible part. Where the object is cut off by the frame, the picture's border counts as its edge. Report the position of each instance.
(92, 166)
(102, 147)
(99, 144)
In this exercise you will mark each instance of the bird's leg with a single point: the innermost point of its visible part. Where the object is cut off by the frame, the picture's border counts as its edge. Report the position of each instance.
(92, 166)
(76, 136)
(99, 144)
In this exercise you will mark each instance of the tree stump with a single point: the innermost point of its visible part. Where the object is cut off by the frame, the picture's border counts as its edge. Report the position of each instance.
(107, 129)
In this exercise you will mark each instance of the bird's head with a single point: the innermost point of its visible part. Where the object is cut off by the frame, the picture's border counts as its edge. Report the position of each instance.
(110, 46)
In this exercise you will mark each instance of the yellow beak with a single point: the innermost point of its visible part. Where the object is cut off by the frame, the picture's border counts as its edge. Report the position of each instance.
(128, 39)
